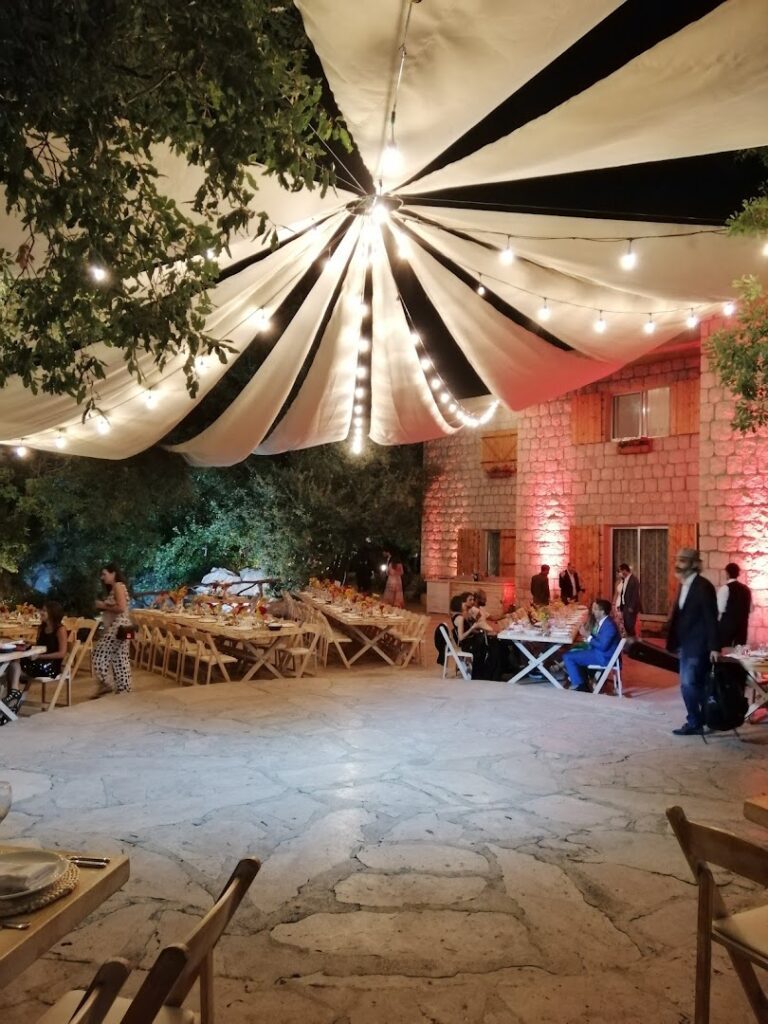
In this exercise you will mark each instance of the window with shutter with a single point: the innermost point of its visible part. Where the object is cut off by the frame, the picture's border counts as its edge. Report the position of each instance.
(585, 551)
(588, 419)
(684, 407)
(508, 554)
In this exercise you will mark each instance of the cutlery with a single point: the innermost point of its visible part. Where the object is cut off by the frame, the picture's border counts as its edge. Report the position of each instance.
(16, 926)
(90, 862)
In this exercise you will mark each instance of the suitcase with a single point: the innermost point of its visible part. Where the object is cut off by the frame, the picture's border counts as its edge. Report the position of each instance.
(650, 654)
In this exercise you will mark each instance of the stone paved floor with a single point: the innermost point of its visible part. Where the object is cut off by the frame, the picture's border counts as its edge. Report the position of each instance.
(434, 851)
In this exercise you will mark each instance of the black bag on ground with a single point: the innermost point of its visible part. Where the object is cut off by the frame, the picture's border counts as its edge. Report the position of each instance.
(725, 706)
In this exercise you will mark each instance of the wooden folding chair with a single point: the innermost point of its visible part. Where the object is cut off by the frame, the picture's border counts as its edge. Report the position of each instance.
(744, 934)
(171, 978)
(62, 680)
(461, 659)
(331, 638)
(86, 643)
(613, 667)
(96, 1001)
(411, 638)
(304, 650)
(209, 656)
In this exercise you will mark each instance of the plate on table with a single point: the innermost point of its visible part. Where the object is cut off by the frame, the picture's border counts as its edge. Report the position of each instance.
(8, 646)
(32, 869)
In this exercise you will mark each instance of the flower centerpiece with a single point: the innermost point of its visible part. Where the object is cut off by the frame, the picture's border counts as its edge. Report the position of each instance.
(176, 597)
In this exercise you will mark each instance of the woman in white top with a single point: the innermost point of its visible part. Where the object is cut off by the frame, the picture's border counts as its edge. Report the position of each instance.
(111, 652)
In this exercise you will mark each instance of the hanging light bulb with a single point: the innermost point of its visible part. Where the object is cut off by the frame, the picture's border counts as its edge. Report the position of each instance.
(21, 451)
(628, 259)
(358, 409)
(360, 392)
(480, 289)
(729, 308)
(357, 445)
(600, 325)
(544, 311)
(99, 274)
(452, 407)
(691, 320)
(60, 440)
(361, 373)
(444, 397)
(358, 421)
(435, 383)
(507, 254)
(363, 307)
(103, 426)
(415, 338)
(426, 363)
(391, 159)
(649, 326)
(150, 398)
(364, 345)
(210, 254)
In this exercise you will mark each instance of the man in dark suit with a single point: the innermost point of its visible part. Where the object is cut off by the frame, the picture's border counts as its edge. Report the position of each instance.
(540, 586)
(692, 632)
(570, 584)
(628, 599)
(734, 603)
(600, 646)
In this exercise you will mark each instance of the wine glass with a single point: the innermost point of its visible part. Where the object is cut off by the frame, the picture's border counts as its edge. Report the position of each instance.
(5, 799)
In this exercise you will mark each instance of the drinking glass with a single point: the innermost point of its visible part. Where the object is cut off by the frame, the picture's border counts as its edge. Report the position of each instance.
(5, 799)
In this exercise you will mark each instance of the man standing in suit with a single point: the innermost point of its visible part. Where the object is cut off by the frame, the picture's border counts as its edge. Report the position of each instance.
(600, 646)
(734, 603)
(570, 584)
(628, 599)
(540, 586)
(692, 632)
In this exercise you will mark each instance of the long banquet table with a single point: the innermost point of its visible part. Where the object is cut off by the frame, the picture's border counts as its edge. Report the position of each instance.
(547, 643)
(369, 629)
(6, 657)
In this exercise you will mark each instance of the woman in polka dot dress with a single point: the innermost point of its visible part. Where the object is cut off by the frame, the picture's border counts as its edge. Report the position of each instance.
(110, 652)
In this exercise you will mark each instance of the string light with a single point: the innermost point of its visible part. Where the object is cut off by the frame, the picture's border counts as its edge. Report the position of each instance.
(361, 373)
(729, 308)
(444, 397)
(649, 326)
(210, 254)
(103, 426)
(507, 254)
(202, 365)
(99, 274)
(150, 398)
(415, 338)
(435, 383)
(21, 451)
(364, 345)
(363, 308)
(691, 320)
(480, 289)
(544, 311)
(628, 259)
(600, 325)
(765, 249)
(426, 363)
(60, 441)
(358, 408)
(360, 392)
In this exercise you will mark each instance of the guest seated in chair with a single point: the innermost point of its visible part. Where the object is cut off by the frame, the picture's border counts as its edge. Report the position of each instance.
(53, 636)
(598, 649)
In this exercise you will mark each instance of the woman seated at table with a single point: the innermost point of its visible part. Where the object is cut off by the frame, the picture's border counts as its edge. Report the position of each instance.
(467, 632)
(53, 636)
(598, 648)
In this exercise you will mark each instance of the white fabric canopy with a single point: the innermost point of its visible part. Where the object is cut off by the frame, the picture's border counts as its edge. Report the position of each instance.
(702, 90)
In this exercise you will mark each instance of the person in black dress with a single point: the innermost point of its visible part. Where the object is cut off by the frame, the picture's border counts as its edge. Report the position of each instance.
(53, 636)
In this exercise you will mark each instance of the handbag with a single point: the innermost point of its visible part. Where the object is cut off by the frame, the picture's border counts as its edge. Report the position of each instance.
(126, 632)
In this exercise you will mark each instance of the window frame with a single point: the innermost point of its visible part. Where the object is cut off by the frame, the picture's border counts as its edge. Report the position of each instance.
(643, 432)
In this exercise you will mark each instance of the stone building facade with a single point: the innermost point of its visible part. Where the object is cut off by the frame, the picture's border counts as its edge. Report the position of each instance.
(576, 493)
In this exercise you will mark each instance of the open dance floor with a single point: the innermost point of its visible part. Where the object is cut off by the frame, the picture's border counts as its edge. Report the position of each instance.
(433, 851)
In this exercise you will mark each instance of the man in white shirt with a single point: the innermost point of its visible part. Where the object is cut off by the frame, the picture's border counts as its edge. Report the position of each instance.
(734, 603)
(628, 599)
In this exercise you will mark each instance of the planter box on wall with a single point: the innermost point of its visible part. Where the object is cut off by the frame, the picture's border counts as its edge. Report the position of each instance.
(498, 453)
(635, 446)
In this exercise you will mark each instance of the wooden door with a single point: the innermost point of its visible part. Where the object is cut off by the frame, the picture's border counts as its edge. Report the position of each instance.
(468, 551)
(585, 551)
(508, 554)
(684, 409)
(588, 418)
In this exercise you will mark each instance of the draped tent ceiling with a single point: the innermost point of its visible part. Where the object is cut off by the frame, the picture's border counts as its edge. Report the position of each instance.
(703, 89)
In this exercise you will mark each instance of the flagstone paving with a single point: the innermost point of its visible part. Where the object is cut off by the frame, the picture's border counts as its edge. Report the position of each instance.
(433, 851)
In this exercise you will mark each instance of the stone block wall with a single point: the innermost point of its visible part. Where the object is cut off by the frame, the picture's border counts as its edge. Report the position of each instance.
(459, 494)
(733, 496)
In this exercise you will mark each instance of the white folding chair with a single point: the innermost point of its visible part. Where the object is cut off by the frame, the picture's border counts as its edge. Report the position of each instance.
(613, 666)
(462, 659)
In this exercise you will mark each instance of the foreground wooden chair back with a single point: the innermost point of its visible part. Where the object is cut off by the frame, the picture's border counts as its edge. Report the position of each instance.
(461, 659)
(96, 1001)
(62, 681)
(744, 934)
(177, 968)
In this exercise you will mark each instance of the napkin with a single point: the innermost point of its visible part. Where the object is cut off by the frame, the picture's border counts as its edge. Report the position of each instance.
(17, 875)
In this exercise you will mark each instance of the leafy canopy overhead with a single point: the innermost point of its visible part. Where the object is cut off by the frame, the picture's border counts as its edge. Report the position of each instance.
(91, 91)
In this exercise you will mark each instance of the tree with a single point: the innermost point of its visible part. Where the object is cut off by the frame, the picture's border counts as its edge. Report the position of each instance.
(739, 352)
(90, 92)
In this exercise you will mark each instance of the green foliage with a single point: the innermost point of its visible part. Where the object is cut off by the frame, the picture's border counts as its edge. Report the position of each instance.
(752, 219)
(92, 92)
(739, 356)
(165, 523)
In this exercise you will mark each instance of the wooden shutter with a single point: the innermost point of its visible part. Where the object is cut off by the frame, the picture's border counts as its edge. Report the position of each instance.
(468, 552)
(498, 453)
(679, 535)
(588, 420)
(585, 552)
(508, 553)
(684, 409)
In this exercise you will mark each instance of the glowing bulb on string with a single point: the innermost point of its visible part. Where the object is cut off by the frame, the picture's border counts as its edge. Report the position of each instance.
(361, 373)
(544, 311)
(150, 399)
(210, 254)
(359, 392)
(202, 364)
(426, 363)
(628, 259)
(649, 326)
(415, 338)
(765, 249)
(600, 325)
(365, 345)
(363, 308)
(435, 383)
(358, 421)
(103, 426)
(691, 320)
(60, 440)
(391, 159)
(21, 451)
(358, 409)
(452, 407)
(507, 254)
(357, 446)
(480, 289)
(99, 274)
(444, 397)
(729, 308)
